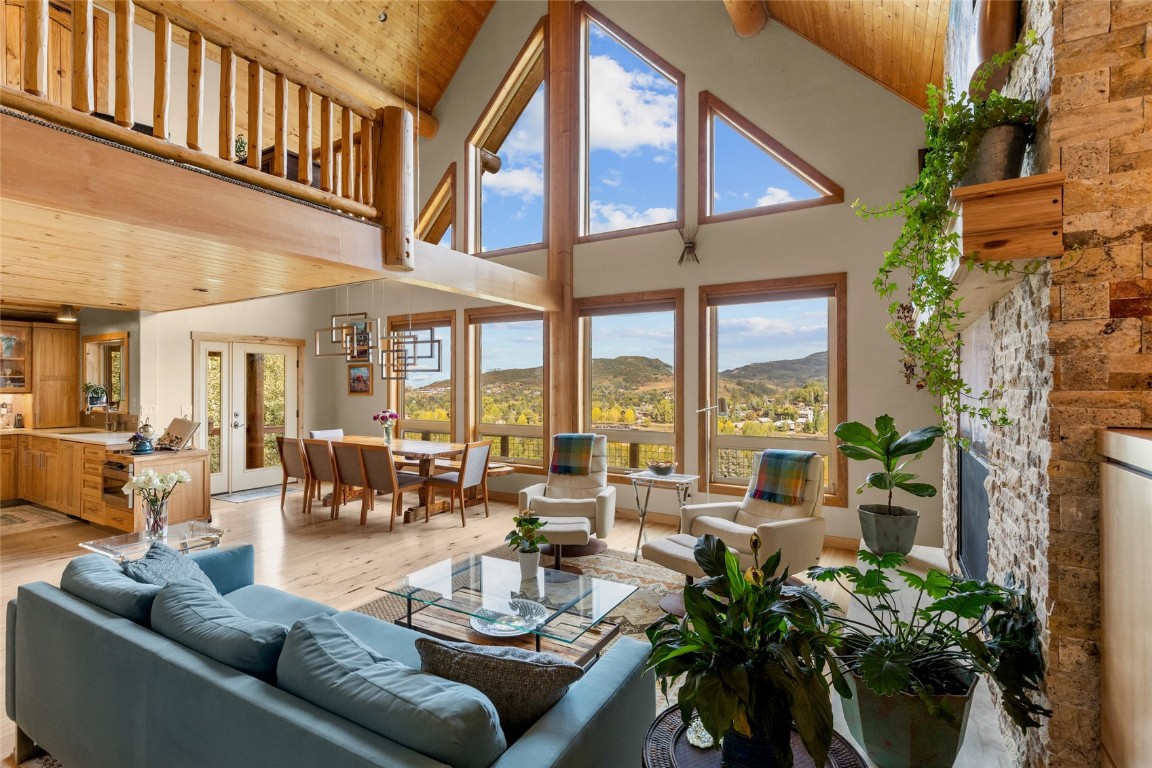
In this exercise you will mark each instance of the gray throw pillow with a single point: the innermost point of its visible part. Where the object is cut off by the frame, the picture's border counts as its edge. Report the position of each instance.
(521, 684)
(161, 564)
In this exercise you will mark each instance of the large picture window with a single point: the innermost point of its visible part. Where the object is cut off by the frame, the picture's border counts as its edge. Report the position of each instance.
(631, 354)
(775, 354)
(508, 400)
(426, 396)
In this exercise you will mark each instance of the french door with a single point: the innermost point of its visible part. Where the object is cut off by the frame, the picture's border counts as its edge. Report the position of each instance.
(248, 394)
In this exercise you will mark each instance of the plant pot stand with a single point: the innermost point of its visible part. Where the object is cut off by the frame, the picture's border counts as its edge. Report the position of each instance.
(666, 746)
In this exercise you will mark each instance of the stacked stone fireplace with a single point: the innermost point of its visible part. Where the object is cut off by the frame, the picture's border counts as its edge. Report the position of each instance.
(1071, 346)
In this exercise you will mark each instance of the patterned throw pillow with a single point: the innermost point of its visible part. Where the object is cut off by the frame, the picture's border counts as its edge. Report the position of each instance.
(521, 684)
(161, 564)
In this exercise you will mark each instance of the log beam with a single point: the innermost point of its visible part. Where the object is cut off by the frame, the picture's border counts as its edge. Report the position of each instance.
(749, 17)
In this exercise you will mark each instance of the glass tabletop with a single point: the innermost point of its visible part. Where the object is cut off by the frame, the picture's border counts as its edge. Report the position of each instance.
(648, 476)
(195, 534)
(558, 605)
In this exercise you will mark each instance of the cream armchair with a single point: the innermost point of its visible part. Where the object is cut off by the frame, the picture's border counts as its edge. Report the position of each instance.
(588, 496)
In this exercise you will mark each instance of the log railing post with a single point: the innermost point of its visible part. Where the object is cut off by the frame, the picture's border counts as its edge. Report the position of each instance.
(346, 153)
(304, 147)
(125, 21)
(394, 187)
(82, 56)
(280, 135)
(255, 114)
(368, 153)
(163, 75)
(195, 88)
(326, 144)
(36, 47)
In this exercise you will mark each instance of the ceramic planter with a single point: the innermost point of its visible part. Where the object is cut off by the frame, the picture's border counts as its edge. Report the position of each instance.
(898, 731)
(1000, 156)
(529, 564)
(741, 751)
(884, 532)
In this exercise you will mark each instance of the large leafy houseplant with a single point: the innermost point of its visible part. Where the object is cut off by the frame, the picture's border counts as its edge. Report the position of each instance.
(753, 651)
(925, 321)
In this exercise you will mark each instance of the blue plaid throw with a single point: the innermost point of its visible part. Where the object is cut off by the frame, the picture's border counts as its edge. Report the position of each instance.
(781, 476)
(571, 454)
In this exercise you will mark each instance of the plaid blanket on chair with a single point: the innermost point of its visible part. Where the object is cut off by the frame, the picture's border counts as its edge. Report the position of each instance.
(572, 454)
(781, 476)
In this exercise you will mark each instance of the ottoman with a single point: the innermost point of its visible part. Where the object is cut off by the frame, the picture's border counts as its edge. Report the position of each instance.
(575, 531)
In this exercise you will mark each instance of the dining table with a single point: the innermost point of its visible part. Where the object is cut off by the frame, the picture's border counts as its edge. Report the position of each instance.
(425, 451)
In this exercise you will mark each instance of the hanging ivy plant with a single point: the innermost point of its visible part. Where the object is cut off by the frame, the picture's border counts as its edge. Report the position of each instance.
(925, 321)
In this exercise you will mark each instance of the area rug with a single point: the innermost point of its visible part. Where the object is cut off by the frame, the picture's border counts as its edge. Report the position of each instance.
(253, 494)
(44, 761)
(25, 517)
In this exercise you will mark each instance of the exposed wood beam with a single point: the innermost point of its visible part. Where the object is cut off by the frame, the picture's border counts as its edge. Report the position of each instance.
(252, 36)
(749, 17)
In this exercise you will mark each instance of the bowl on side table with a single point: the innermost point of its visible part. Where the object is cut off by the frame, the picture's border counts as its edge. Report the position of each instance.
(662, 468)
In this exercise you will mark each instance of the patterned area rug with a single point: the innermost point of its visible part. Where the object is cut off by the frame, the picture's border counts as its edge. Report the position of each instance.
(633, 615)
(44, 761)
(25, 517)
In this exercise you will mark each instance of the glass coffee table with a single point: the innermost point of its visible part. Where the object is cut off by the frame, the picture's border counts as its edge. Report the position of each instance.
(183, 537)
(482, 600)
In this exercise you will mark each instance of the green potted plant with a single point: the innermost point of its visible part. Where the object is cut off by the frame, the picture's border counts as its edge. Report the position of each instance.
(887, 527)
(753, 651)
(913, 655)
(925, 321)
(526, 539)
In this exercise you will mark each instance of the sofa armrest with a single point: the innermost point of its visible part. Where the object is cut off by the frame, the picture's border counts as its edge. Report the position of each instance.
(602, 719)
(531, 492)
(723, 509)
(800, 542)
(605, 512)
(10, 662)
(229, 569)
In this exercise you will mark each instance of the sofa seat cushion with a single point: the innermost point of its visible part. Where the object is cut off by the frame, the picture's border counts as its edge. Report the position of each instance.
(162, 564)
(322, 663)
(102, 582)
(389, 640)
(257, 601)
(522, 684)
(189, 613)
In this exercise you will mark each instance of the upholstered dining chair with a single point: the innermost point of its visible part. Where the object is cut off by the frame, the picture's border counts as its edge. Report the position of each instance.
(473, 473)
(350, 474)
(326, 434)
(380, 476)
(322, 467)
(585, 495)
(295, 467)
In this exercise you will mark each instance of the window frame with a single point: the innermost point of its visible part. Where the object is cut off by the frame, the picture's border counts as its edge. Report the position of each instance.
(439, 213)
(397, 387)
(711, 106)
(625, 304)
(586, 12)
(833, 285)
(474, 319)
(533, 54)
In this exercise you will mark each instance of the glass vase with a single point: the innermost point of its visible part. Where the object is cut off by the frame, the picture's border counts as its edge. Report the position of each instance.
(388, 433)
(156, 519)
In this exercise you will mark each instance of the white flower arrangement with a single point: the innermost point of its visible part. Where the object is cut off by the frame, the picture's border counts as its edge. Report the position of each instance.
(155, 487)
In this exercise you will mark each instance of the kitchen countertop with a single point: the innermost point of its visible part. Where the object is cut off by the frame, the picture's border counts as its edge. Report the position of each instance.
(78, 434)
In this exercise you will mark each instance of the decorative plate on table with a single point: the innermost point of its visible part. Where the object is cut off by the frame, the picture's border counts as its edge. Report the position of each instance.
(528, 615)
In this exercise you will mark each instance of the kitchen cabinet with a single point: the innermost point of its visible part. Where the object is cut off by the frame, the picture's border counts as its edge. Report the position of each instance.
(15, 357)
(55, 375)
(65, 492)
(190, 501)
(39, 475)
(9, 474)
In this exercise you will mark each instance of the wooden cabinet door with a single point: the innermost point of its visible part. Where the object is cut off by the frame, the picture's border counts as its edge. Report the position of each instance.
(55, 376)
(66, 478)
(9, 469)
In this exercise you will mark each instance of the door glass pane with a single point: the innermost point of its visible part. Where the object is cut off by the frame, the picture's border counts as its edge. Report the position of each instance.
(214, 391)
(264, 407)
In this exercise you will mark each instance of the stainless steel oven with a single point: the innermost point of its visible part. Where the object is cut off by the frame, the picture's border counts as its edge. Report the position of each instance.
(115, 474)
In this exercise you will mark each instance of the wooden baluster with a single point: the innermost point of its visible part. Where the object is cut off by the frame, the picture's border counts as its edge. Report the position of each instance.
(360, 193)
(394, 191)
(35, 47)
(82, 56)
(163, 88)
(255, 114)
(304, 148)
(227, 104)
(326, 144)
(125, 21)
(102, 59)
(346, 152)
(195, 88)
(368, 155)
(280, 156)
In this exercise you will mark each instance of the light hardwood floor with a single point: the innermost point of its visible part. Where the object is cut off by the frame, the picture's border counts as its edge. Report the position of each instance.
(337, 562)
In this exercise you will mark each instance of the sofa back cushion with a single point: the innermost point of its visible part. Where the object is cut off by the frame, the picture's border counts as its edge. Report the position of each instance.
(197, 617)
(447, 721)
(102, 582)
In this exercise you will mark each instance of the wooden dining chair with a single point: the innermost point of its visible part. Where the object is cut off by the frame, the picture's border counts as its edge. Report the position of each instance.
(350, 474)
(295, 466)
(322, 466)
(473, 473)
(380, 475)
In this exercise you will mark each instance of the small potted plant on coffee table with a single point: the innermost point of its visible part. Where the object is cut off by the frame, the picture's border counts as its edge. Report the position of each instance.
(526, 539)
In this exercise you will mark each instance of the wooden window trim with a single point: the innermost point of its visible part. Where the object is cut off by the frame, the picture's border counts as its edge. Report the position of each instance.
(528, 67)
(427, 320)
(439, 212)
(778, 289)
(631, 303)
(587, 12)
(710, 105)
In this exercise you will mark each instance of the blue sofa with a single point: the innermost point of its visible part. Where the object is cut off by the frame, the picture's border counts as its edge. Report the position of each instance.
(95, 689)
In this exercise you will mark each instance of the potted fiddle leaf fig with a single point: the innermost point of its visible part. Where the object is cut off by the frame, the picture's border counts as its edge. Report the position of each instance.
(526, 539)
(753, 651)
(912, 657)
(888, 527)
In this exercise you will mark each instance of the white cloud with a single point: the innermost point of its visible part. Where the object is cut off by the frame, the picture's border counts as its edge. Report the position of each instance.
(525, 183)
(612, 178)
(611, 217)
(526, 141)
(629, 110)
(759, 326)
(775, 196)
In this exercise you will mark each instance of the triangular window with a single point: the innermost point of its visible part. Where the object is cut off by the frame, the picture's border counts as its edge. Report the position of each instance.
(749, 172)
(438, 214)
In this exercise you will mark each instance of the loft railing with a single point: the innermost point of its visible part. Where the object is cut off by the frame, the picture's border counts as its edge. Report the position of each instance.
(363, 153)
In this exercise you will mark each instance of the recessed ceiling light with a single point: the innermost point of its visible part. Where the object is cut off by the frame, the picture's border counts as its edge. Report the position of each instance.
(67, 314)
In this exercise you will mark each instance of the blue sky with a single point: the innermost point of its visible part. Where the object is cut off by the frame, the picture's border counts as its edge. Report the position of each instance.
(747, 176)
(415, 380)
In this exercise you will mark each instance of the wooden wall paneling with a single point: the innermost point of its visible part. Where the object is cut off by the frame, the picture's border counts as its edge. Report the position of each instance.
(162, 91)
(125, 13)
(36, 47)
(195, 89)
(346, 153)
(255, 114)
(304, 136)
(280, 138)
(82, 85)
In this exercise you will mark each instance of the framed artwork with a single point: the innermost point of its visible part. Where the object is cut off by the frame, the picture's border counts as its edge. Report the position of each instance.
(359, 338)
(340, 321)
(360, 379)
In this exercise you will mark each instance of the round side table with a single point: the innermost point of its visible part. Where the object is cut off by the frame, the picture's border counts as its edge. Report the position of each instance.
(666, 746)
